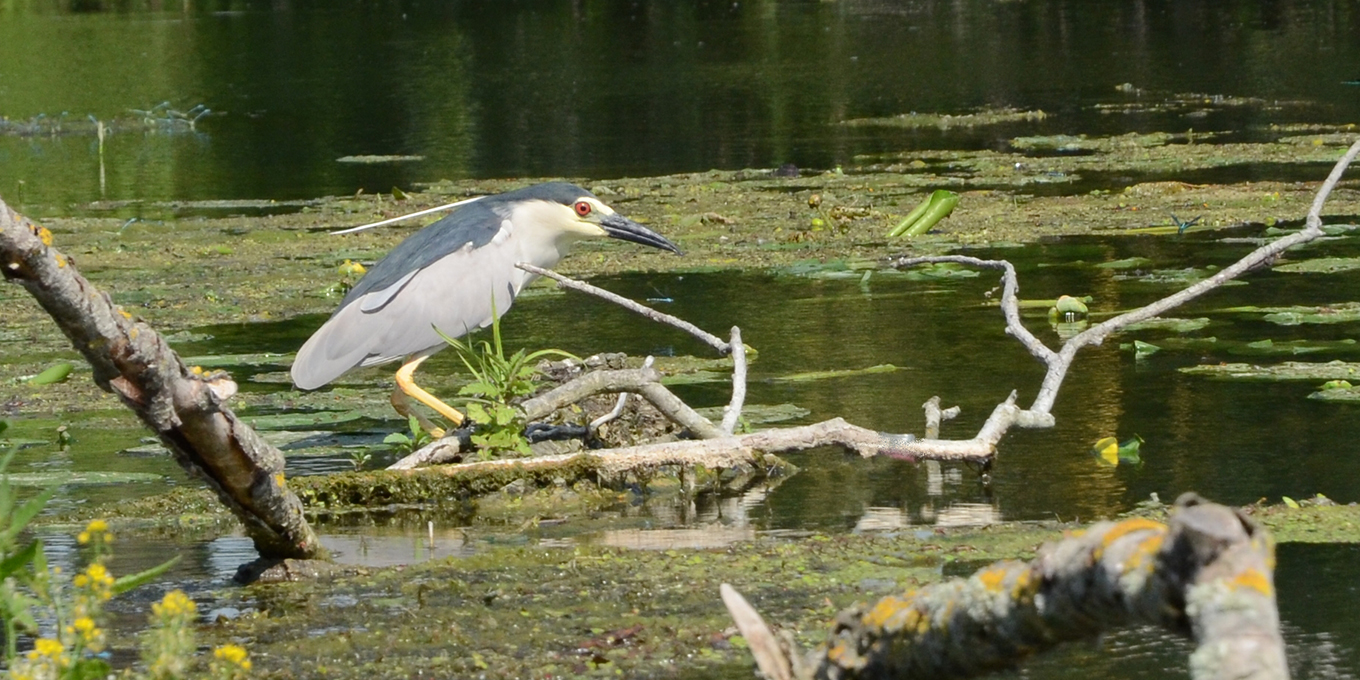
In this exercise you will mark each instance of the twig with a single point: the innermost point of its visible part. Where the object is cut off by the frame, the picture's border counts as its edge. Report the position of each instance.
(732, 412)
(935, 416)
(660, 317)
(618, 405)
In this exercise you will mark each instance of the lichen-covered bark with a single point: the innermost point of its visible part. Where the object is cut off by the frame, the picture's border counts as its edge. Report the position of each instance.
(1208, 574)
(183, 406)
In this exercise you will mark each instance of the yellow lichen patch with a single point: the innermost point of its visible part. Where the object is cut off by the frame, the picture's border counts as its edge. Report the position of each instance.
(1025, 586)
(1125, 528)
(883, 611)
(1252, 579)
(124, 313)
(61, 260)
(196, 370)
(1146, 549)
(45, 235)
(279, 480)
(837, 652)
(993, 577)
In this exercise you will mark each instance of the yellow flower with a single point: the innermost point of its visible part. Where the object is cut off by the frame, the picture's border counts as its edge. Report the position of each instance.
(233, 654)
(84, 625)
(46, 647)
(96, 530)
(175, 603)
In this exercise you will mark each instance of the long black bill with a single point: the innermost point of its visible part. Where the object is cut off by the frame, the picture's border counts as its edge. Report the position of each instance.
(620, 227)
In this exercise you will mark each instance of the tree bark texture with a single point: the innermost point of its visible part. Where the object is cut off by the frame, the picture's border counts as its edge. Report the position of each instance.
(1207, 574)
(183, 406)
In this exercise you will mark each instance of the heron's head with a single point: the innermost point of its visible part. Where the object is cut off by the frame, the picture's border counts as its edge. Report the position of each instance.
(575, 213)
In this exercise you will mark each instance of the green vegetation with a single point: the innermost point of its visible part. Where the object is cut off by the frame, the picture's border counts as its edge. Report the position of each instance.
(498, 382)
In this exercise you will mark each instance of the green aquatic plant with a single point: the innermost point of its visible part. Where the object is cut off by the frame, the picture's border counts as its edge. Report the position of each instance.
(499, 381)
(403, 442)
(926, 214)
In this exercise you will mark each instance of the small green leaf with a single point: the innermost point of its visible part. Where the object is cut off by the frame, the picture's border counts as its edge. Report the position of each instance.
(1290, 502)
(396, 438)
(126, 583)
(53, 374)
(25, 514)
(17, 561)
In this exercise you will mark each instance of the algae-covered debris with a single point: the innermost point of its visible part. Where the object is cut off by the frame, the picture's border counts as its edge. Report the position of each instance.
(1295, 315)
(1289, 370)
(376, 159)
(1171, 324)
(945, 121)
(1320, 265)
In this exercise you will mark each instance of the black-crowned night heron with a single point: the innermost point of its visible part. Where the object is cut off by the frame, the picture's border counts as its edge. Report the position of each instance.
(450, 276)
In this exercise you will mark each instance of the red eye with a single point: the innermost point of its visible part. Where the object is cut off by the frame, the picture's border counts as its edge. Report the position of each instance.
(582, 208)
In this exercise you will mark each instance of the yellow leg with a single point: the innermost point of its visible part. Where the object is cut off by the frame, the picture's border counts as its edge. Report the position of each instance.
(403, 407)
(406, 383)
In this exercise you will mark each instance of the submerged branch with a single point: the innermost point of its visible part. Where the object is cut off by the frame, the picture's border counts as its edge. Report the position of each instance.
(183, 406)
(1207, 574)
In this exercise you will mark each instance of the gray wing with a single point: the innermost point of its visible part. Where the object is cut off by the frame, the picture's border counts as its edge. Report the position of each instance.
(430, 286)
(476, 223)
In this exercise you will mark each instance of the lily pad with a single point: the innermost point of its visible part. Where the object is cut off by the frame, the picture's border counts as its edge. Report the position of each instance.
(84, 478)
(1289, 370)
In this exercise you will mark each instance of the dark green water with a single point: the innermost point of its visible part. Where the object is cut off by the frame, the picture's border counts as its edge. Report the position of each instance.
(602, 89)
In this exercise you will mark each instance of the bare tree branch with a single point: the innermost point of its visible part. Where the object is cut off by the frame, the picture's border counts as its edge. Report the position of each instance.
(732, 412)
(183, 406)
(1207, 575)
(660, 317)
(1059, 362)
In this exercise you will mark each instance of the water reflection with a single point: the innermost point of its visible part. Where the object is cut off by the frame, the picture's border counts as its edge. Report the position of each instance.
(602, 89)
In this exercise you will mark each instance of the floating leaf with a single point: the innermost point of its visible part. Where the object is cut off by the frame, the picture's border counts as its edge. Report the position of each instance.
(1144, 349)
(53, 374)
(824, 375)
(1290, 502)
(1288, 370)
(1336, 385)
(1168, 324)
(1126, 263)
